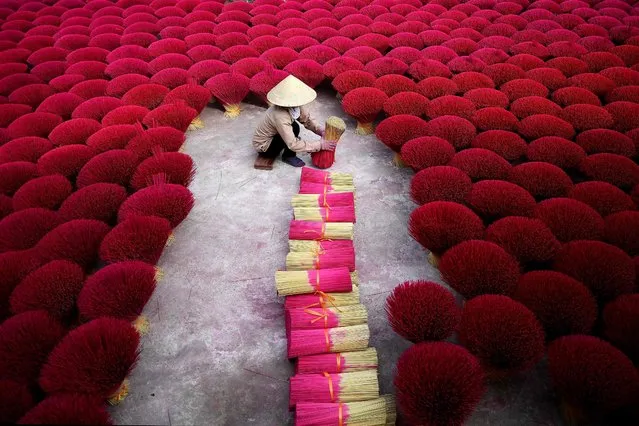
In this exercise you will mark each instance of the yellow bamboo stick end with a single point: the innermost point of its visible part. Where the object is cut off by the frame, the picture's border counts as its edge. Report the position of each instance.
(433, 259)
(572, 416)
(142, 325)
(365, 128)
(232, 111)
(120, 394)
(397, 161)
(170, 240)
(159, 274)
(196, 124)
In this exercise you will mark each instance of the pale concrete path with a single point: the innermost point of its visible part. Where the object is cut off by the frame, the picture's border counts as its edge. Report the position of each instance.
(216, 352)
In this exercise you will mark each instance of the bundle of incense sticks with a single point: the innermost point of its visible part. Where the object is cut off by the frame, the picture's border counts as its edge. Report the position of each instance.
(320, 188)
(326, 387)
(318, 246)
(326, 178)
(305, 230)
(327, 340)
(326, 259)
(344, 362)
(338, 280)
(323, 300)
(376, 412)
(325, 214)
(317, 318)
(323, 200)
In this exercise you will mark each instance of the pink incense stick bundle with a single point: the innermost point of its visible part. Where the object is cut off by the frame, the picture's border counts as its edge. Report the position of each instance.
(326, 178)
(345, 362)
(326, 259)
(319, 246)
(307, 230)
(319, 188)
(340, 339)
(314, 318)
(326, 387)
(321, 199)
(318, 281)
(376, 412)
(322, 300)
(325, 214)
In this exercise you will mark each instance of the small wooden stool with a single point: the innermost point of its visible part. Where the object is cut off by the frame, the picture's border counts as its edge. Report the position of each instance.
(263, 163)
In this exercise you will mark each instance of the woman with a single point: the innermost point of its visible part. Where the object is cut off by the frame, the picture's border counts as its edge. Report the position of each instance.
(279, 130)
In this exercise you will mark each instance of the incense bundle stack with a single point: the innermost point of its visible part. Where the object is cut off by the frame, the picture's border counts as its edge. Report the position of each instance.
(320, 188)
(326, 178)
(323, 300)
(338, 280)
(328, 340)
(345, 362)
(319, 246)
(321, 199)
(326, 387)
(333, 131)
(325, 214)
(306, 230)
(320, 318)
(325, 259)
(376, 412)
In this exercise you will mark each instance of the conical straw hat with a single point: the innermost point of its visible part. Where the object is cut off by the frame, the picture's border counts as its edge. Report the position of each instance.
(291, 92)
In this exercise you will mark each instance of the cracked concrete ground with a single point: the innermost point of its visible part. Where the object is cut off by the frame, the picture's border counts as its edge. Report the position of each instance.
(216, 351)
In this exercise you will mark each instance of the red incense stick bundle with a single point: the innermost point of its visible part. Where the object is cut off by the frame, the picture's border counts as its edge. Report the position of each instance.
(314, 318)
(333, 130)
(326, 178)
(318, 246)
(337, 280)
(307, 230)
(320, 188)
(323, 300)
(326, 259)
(325, 214)
(321, 199)
(340, 339)
(326, 387)
(344, 362)
(376, 412)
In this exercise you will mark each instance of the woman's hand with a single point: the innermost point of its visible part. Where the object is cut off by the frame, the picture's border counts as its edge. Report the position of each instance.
(328, 145)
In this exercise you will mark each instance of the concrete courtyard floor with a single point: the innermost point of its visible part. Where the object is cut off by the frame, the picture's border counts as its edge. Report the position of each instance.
(216, 350)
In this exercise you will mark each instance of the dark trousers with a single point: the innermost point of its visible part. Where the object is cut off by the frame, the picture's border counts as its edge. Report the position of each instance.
(278, 144)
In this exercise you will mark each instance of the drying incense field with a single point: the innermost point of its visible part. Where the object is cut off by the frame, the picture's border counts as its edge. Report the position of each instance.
(492, 147)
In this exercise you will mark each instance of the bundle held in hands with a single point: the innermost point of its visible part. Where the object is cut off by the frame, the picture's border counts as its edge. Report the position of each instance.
(319, 246)
(333, 131)
(326, 259)
(325, 214)
(340, 339)
(323, 300)
(338, 280)
(326, 178)
(376, 412)
(344, 362)
(321, 199)
(306, 230)
(326, 387)
(320, 188)
(314, 318)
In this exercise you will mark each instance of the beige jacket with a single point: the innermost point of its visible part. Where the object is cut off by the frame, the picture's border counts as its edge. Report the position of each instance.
(279, 120)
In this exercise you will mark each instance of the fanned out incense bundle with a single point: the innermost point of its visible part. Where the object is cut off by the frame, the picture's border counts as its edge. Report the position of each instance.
(340, 339)
(326, 387)
(306, 230)
(344, 362)
(313, 318)
(325, 214)
(326, 178)
(330, 199)
(337, 280)
(376, 412)
(323, 300)
(320, 188)
(326, 259)
(318, 246)
(333, 131)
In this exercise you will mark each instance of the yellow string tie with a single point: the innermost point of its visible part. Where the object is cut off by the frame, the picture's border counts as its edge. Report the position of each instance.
(330, 386)
(328, 340)
(340, 415)
(339, 363)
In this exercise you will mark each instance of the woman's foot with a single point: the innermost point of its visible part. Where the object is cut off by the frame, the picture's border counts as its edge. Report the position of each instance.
(294, 161)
